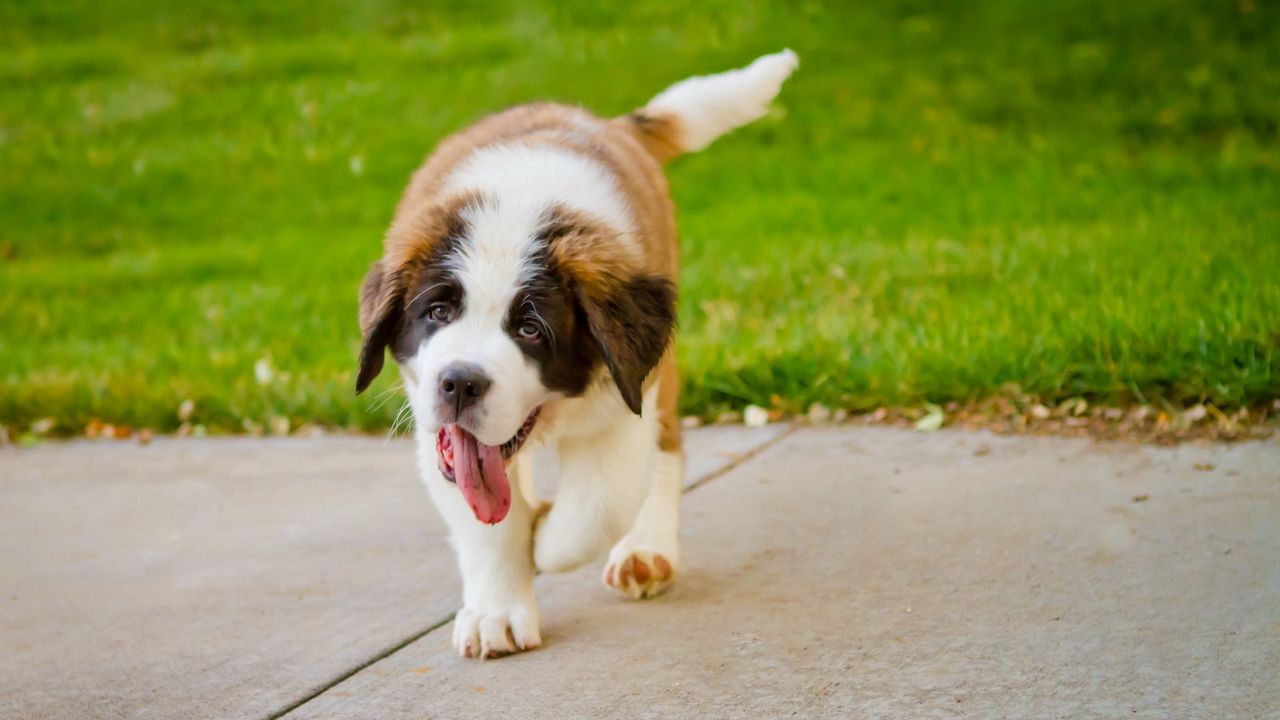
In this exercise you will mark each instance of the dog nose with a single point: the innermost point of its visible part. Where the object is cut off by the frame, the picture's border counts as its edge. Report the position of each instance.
(462, 386)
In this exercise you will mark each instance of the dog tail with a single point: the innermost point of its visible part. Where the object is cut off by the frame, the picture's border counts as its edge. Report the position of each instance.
(691, 114)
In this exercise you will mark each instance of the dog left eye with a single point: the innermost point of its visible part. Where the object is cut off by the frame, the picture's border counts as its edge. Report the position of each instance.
(529, 331)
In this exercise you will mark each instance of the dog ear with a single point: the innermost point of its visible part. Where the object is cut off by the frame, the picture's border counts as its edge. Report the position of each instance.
(632, 325)
(381, 306)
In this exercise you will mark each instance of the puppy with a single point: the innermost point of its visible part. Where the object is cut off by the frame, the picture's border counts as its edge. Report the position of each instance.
(527, 292)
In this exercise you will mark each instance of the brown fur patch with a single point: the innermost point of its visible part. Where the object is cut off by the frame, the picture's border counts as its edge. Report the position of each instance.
(631, 314)
(380, 311)
(661, 135)
(632, 322)
(668, 376)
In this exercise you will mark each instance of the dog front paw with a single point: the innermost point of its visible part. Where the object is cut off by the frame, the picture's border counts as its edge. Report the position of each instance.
(486, 633)
(639, 574)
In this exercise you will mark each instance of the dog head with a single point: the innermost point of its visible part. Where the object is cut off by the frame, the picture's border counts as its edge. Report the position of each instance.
(494, 309)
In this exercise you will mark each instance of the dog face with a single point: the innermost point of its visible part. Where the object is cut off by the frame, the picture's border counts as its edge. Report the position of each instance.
(492, 309)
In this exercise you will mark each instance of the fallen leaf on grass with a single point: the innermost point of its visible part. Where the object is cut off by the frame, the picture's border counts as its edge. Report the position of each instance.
(1140, 413)
(932, 419)
(311, 430)
(94, 428)
(1075, 406)
(819, 413)
(1227, 424)
(754, 416)
(120, 432)
(1194, 415)
(263, 372)
(278, 424)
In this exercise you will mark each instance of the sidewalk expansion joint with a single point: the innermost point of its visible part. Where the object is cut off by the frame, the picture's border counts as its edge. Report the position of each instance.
(388, 652)
(742, 458)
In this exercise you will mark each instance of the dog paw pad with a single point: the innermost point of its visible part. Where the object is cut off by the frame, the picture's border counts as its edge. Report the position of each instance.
(639, 574)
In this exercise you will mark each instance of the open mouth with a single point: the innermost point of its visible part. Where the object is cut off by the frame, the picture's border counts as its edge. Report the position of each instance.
(479, 470)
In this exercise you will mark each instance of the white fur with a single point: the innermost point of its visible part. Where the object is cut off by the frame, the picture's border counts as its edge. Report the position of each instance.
(528, 179)
(709, 106)
(606, 458)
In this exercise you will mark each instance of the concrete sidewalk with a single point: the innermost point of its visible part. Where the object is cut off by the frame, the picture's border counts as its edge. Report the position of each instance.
(828, 573)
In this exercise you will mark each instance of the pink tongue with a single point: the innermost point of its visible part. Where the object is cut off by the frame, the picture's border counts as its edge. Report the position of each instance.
(480, 476)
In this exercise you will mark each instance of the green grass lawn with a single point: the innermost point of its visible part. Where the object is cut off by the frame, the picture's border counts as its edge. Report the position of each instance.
(949, 197)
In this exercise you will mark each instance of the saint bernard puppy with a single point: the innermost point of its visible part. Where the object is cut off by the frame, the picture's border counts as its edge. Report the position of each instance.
(527, 292)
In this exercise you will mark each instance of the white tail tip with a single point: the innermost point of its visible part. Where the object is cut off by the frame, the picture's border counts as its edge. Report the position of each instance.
(709, 106)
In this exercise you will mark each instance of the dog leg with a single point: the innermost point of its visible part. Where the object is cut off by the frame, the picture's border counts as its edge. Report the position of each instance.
(499, 615)
(603, 480)
(644, 563)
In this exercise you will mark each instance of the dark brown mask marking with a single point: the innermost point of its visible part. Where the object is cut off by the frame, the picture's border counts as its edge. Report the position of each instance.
(394, 300)
(565, 354)
(628, 317)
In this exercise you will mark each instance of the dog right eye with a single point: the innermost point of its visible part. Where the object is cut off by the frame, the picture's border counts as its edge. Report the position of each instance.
(440, 312)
